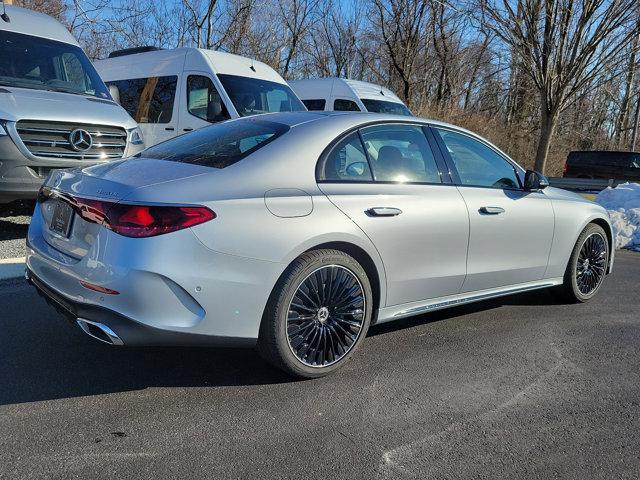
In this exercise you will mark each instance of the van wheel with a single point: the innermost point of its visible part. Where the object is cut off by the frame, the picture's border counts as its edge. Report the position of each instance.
(318, 314)
(587, 265)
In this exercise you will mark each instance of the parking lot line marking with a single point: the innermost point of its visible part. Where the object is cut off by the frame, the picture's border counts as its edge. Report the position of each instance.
(12, 260)
(11, 267)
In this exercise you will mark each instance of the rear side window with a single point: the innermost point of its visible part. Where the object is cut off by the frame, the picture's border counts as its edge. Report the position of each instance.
(346, 162)
(400, 153)
(204, 101)
(315, 104)
(341, 104)
(148, 100)
(219, 145)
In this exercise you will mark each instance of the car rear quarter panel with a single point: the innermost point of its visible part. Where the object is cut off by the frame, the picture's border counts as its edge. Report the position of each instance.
(268, 206)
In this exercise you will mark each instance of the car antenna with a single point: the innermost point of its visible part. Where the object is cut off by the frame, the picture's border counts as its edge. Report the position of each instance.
(4, 15)
(252, 67)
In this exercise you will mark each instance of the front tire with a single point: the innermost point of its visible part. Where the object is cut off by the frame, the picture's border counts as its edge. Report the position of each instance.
(318, 314)
(587, 265)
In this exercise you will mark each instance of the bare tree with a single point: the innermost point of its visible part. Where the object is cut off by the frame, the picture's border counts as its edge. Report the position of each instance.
(237, 30)
(401, 25)
(201, 20)
(335, 37)
(55, 8)
(566, 45)
(297, 16)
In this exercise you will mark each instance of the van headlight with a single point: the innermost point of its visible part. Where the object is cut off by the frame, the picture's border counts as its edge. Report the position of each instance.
(135, 136)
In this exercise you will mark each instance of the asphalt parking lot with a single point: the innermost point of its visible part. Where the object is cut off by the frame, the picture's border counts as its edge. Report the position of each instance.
(14, 222)
(513, 388)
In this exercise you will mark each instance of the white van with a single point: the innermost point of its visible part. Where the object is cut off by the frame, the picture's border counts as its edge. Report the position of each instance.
(348, 95)
(55, 111)
(170, 92)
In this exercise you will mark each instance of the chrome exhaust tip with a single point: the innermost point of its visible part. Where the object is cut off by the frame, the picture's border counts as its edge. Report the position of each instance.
(99, 331)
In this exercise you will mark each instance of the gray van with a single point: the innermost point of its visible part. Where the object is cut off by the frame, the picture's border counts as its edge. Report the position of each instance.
(55, 111)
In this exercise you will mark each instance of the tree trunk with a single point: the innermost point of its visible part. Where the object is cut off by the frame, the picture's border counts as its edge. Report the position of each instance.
(634, 132)
(621, 123)
(548, 120)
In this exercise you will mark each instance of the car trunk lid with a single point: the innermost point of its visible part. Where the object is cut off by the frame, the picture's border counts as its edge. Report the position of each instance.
(66, 192)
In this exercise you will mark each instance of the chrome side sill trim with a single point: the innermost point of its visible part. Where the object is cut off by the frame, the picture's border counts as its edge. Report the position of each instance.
(396, 312)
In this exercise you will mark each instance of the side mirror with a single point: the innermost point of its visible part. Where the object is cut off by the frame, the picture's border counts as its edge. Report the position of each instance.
(115, 93)
(535, 181)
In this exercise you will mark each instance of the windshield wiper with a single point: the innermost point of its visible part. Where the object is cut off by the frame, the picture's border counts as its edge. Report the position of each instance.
(64, 90)
(43, 86)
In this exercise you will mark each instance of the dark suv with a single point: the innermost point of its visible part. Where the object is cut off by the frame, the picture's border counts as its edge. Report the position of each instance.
(603, 164)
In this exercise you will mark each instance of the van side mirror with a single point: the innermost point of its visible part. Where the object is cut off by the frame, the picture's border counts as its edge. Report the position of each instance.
(535, 181)
(115, 93)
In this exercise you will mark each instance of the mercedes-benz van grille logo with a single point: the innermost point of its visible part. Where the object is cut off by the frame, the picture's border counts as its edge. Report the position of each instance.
(80, 140)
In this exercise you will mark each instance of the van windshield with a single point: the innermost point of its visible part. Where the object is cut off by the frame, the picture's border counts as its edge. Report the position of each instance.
(41, 64)
(251, 96)
(380, 106)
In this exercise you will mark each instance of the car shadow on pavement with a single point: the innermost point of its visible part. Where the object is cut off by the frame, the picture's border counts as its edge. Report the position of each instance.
(12, 231)
(536, 297)
(44, 356)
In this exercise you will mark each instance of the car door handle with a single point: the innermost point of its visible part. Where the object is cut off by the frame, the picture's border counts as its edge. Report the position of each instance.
(383, 212)
(169, 129)
(491, 210)
(187, 129)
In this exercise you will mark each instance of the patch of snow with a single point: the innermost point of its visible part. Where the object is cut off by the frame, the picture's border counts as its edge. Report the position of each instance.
(623, 205)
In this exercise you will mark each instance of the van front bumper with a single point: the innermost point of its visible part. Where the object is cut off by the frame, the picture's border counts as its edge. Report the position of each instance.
(22, 177)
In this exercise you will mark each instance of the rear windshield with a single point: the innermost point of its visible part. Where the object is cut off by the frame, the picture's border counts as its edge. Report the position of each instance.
(380, 106)
(219, 145)
(251, 96)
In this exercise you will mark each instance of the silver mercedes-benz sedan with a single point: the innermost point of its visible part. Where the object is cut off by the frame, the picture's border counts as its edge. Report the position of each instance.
(295, 232)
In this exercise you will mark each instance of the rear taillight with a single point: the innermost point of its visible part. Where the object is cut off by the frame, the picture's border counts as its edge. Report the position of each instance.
(136, 221)
(565, 169)
(147, 221)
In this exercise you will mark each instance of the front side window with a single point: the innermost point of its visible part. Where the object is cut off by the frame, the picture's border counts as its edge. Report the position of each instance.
(477, 164)
(218, 145)
(381, 106)
(148, 100)
(251, 96)
(314, 104)
(400, 153)
(343, 105)
(204, 101)
(347, 162)
(41, 64)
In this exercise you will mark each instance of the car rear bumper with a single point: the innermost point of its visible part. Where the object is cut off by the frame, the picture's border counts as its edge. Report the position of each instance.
(169, 289)
(114, 328)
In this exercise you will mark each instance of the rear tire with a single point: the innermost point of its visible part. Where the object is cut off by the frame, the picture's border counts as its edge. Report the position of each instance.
(587, 265)
(317, 315)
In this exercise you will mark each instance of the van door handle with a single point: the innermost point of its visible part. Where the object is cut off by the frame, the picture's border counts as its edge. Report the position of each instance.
(491, 210)
(383, 212)
(187, 129)
(169, 129)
